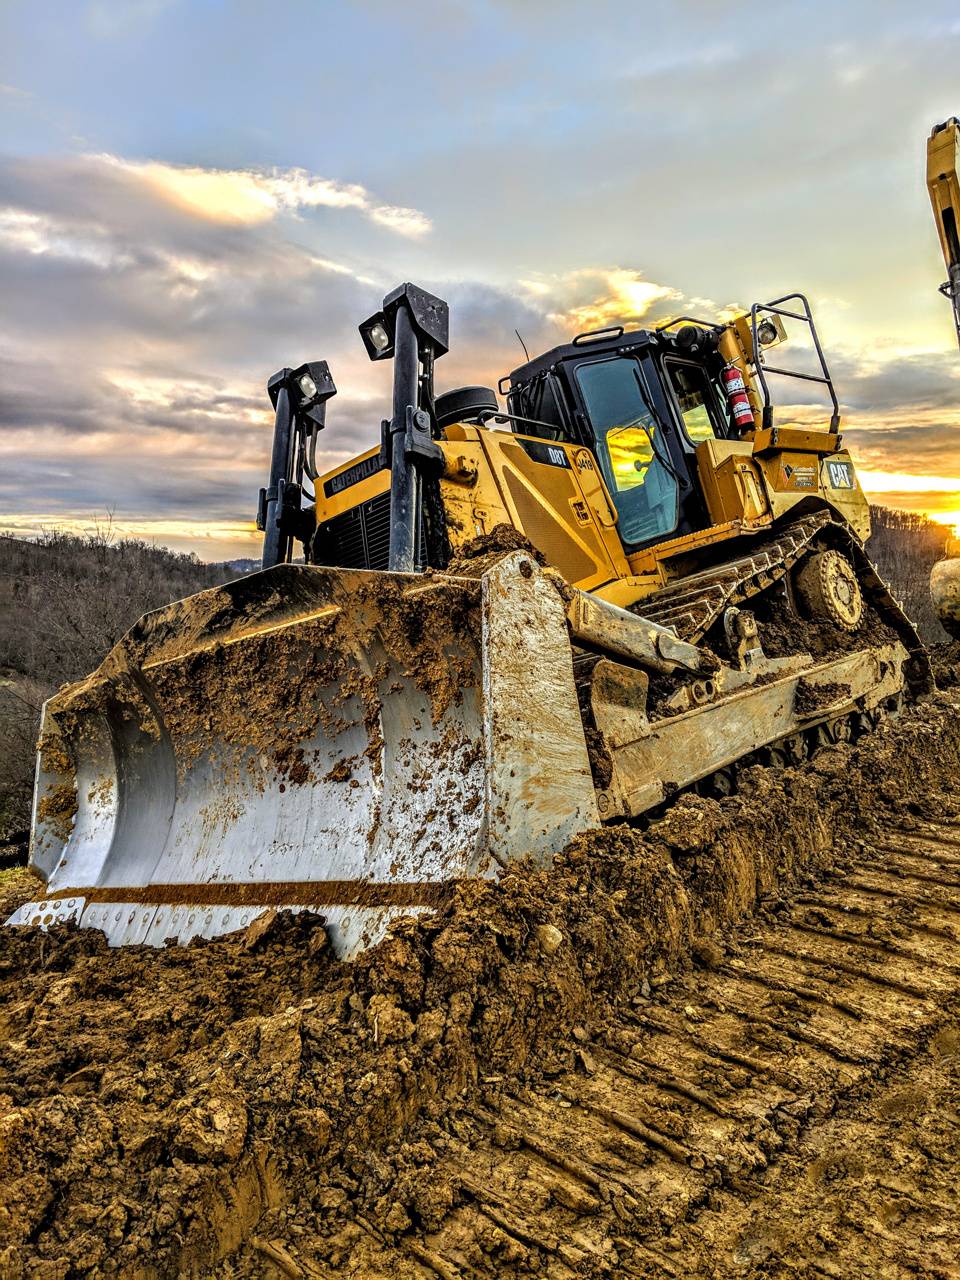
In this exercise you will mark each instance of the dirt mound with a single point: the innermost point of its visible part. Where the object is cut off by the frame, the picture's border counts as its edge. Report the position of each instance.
(480, 554)
(945, 660)
(251, 1106)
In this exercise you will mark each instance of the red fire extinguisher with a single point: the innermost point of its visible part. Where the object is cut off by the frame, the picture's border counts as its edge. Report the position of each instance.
(737, 398)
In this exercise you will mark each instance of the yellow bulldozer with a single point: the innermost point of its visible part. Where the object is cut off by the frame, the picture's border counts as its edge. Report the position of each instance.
(511, 622)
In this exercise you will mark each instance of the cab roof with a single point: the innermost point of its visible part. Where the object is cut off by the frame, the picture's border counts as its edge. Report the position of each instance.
(608, 341)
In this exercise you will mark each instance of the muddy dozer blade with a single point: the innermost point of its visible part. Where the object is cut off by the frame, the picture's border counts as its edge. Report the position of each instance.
(344, 741)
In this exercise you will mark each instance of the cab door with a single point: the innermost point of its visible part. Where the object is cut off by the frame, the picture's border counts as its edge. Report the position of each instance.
(631, 449)
(702, 420)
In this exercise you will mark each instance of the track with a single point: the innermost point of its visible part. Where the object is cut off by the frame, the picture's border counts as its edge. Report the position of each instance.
(648, 1156)
(694, 604)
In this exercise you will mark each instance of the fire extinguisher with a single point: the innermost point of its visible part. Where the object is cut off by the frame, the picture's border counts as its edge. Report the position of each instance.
(737, 398)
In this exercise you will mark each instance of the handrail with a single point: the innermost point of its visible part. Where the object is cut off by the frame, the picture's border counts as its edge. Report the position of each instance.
(805, 317)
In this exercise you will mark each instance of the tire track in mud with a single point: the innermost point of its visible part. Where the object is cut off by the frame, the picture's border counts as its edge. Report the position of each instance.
(517, 1085)
(646, 1159)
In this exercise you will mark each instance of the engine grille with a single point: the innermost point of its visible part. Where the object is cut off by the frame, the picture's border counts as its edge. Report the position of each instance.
(359, 538)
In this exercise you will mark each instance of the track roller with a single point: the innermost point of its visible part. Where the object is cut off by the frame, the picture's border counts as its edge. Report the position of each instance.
(827, 585)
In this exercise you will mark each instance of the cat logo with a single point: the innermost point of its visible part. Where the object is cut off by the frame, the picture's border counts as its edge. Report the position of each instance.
(840, 475)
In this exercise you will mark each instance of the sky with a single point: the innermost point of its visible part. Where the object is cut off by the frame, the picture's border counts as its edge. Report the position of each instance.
(195, 193)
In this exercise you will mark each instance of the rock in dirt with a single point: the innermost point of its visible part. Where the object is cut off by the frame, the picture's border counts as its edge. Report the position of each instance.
(549, 937)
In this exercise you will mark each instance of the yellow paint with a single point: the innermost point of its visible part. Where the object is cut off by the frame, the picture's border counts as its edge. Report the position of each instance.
(556, 496)
(943, 183)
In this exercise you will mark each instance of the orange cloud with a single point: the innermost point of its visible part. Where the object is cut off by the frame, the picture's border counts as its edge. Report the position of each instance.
(595, 297)
(247, 196)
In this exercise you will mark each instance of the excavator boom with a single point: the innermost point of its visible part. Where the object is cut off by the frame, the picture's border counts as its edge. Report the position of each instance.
(943, 183)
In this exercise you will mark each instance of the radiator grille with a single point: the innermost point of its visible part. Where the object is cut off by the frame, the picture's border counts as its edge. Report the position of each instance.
(359, 538)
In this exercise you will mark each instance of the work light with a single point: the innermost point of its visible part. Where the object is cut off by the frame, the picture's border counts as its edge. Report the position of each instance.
(767, 333)
(309, 387)
(428, 316)
(377, 337)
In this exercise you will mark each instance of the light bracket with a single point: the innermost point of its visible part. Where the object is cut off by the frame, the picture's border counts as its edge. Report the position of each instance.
(429, 315)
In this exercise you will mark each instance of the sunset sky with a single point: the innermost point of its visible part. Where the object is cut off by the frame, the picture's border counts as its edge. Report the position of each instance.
(194, 193)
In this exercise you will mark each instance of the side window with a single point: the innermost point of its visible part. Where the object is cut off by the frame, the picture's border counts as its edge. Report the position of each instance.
(542, 403)
(696, 400)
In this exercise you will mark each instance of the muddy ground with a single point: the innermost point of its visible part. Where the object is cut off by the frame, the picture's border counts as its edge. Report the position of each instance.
(726, 1046)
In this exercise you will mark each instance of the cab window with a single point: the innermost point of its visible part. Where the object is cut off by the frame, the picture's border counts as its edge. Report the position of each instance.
(541, 403)
(630, 449)
(696, 400)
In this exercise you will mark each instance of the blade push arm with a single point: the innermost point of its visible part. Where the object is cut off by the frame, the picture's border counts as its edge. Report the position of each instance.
(943, 183)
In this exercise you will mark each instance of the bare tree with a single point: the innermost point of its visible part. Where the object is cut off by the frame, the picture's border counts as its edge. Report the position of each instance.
(905, 546)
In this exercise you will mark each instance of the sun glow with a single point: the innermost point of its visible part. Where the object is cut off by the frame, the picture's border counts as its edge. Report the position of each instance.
(210, 540)
(951, 518)
(906, 482)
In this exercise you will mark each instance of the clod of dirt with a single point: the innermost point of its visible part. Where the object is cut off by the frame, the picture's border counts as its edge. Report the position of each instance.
(811, 698)
(57, 809)
(501, 539)
(549, 937)
(945, 659)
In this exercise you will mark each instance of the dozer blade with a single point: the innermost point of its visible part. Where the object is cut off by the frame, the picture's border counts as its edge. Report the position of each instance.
(355, 743)
(344, 741)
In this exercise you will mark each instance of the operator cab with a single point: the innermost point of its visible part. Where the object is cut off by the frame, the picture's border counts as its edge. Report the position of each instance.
(641, 402)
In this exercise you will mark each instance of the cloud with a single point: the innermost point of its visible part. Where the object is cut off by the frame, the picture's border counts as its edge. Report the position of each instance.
(151, 309)
(882, 381)
(594, 297)
(246, 196)
(133, 379)
(902, 482)
(35, 234)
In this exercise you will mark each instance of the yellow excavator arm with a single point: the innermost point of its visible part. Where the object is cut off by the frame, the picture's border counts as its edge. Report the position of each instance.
(943, 183)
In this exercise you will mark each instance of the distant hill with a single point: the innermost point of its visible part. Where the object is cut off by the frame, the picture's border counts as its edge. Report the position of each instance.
(67, 599)
(240, 566)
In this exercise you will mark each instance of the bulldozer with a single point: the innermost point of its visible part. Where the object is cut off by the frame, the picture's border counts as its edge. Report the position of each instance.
(522, 613)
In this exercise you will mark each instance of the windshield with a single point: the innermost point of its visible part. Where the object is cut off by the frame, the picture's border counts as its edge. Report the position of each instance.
(630, 449)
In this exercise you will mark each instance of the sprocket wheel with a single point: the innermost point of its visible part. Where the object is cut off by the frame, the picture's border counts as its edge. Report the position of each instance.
(828, 586)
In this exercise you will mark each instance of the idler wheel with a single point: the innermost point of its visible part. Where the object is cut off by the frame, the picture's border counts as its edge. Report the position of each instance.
(828, 587)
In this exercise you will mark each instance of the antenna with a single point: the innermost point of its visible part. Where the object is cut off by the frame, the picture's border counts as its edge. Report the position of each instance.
(522, 343)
